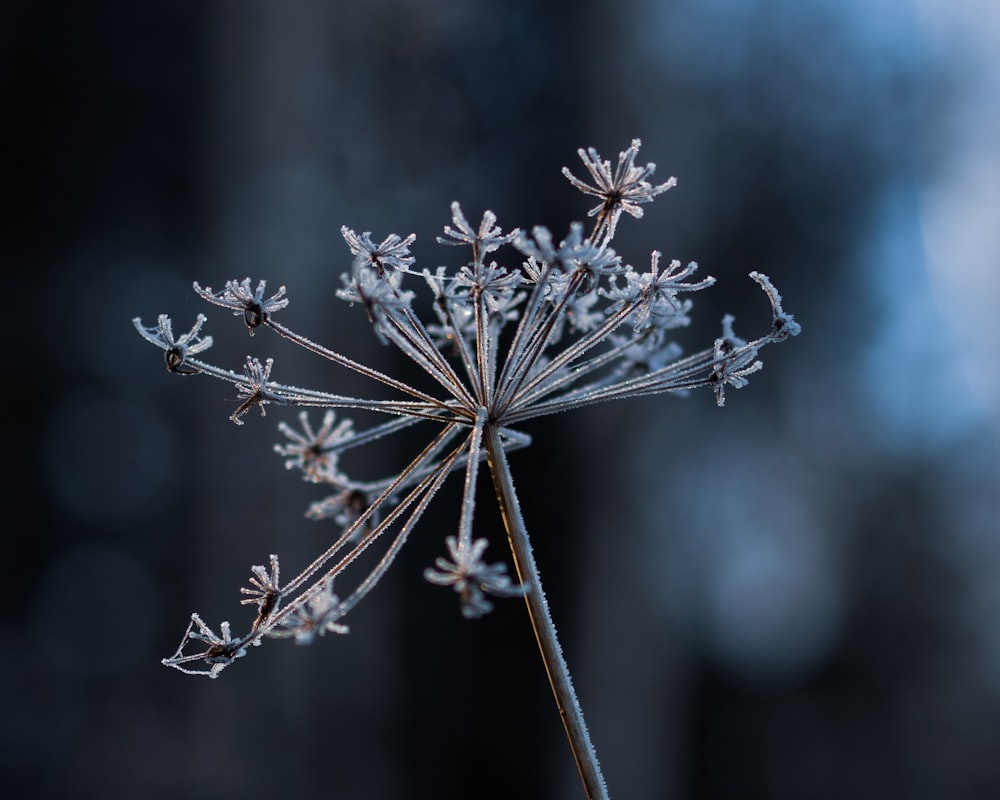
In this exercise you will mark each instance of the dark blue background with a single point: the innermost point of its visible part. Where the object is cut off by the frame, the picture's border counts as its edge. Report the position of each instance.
(794, 596)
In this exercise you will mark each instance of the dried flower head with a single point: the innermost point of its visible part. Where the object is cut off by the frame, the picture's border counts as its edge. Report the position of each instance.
(621, 190)
(317, 616)
(545, 327)
(264, 591)
(176, 349)
(216, 652)
(252, 305)
(471, 577)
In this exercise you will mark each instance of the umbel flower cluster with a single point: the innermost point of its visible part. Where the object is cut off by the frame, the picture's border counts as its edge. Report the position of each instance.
(528, 325)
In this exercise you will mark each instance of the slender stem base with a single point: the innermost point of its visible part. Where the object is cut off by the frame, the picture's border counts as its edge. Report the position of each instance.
(541, 621)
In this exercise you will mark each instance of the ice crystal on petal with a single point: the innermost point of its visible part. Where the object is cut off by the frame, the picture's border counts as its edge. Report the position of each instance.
(471, 577)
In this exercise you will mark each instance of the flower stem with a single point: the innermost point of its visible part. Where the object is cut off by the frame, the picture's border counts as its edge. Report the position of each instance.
(541, 621)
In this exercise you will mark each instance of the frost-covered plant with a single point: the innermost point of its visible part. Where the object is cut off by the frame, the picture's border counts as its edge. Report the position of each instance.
(552, 326)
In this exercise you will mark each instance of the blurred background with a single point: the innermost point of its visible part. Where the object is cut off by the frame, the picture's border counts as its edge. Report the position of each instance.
(795, 596)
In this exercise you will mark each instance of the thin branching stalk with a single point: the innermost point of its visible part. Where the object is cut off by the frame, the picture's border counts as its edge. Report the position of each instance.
(541, 621)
